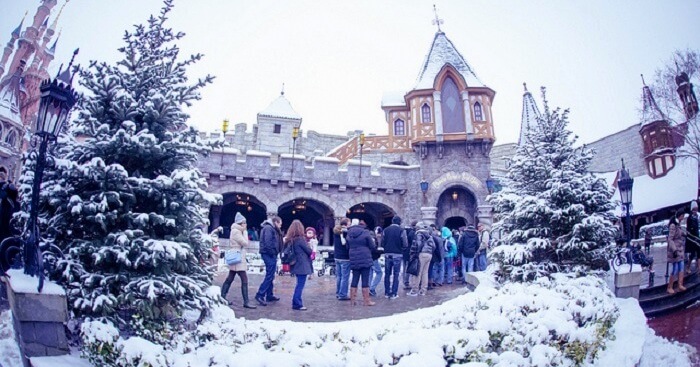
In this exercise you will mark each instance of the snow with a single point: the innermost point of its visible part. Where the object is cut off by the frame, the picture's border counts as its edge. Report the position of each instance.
(650, 194)
(70, 360)
(393, 99)
(23, 283)
(444, 52)
(280, 107)
(9, 349)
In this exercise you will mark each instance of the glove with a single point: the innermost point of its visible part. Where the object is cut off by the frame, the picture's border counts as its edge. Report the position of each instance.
(313, 255)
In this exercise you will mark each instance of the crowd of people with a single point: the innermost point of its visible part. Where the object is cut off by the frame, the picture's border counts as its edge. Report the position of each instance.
(420, 256)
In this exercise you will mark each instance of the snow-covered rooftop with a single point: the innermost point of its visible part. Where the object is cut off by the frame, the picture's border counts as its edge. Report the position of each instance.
(442, 52)
(679, 186)
(393, 99)
(280, 107)
(9, 98)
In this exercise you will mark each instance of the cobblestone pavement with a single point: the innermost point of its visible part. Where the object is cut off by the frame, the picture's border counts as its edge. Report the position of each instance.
(319, 298)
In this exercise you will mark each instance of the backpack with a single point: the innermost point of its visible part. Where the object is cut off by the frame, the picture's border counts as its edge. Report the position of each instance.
(437, 255)
(288, 256)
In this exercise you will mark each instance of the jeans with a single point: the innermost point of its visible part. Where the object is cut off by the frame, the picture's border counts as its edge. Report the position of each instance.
(467, 266)
(392, 266)
(439, 272)
(342, 276)
(481, 261)
(265, 290)
(421, 281)
(448, 270)
(296, 299)
(404, 263)
(375, 276)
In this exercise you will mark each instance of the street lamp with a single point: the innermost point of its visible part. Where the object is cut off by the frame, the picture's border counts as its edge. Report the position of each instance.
(295, 135)
(57, 99)
(362, 143)
(424, 189)
(224, 130)
(624, 184)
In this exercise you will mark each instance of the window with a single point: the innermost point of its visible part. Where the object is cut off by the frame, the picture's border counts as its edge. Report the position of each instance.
(11, 139)
(399, 128)
(478, 113)
(425, 113)
(278, 128)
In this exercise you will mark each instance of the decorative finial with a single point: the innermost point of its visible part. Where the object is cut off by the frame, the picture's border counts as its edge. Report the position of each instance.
(437, 21)
(643, 83)
(525, 86)
(55, 20)
(623, 163)
(282, 89)
(66, 76)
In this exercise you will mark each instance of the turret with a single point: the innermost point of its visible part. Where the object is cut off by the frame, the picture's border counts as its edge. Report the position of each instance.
(10, 46)
(530, 115)
(687, 95)
(657, 135)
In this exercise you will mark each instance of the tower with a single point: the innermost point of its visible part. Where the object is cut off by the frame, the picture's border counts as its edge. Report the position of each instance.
(276, 124)
(657, 136)
(530, 115)
(687, 95)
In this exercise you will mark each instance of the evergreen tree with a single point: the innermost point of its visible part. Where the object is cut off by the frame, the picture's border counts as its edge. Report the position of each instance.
(123, 198)
(554, 215)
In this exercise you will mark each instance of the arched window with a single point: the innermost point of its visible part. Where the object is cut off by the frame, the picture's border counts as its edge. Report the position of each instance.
(425, 113)
(11, 139)
(399, 128)
(478, 113)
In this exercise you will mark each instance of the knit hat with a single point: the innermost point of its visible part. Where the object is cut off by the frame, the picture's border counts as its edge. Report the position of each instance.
(355, 222)
(422, 225)
(312, 229)
(693, 205)
(239, 218)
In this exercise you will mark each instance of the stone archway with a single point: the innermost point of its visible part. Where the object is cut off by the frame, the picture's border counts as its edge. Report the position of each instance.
(311, 213)
(456, 201)
(251, 207)
(374, 214)
(463, 179)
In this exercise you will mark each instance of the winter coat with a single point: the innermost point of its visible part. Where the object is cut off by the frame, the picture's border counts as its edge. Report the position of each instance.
(469, 243)
(439, 247)
(484, 239)
(424, 240)
(340, 249)
(238, 242)
(394, 240)
(360, 244)
(8, 206)
(676, 243)
(378, 251)
(303, 256)
(270, 239)
(450, 245)
(410, 237)
(691, 225)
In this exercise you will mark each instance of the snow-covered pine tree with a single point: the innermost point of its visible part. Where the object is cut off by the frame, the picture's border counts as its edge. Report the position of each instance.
(555, 216)
(124, 199)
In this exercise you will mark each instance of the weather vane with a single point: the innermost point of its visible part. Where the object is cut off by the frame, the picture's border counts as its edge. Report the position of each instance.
(437, 21)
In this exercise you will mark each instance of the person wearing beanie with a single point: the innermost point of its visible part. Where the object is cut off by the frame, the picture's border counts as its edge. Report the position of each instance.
(675, 252)
(312, 241)
(394, 242)
(238, 242)
(693, 237)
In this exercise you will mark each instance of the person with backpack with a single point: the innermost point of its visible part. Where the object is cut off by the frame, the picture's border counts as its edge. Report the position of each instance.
(450, 254)
(436, 270)
(239, 242)
(394, 242)
(484, 242)
(301, 263)
(270, 247)
(410, 237)
(468, 244)
(422, 247)
(341, 256)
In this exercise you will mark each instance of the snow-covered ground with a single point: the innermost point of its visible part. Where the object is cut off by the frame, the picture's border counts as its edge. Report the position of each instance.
(510, 326)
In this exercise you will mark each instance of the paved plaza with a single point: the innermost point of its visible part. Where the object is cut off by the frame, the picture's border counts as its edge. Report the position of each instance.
(319, 298)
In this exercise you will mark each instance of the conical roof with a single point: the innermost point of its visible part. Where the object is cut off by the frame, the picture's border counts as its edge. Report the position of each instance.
(10, 90)
(530, 115)
(281, 108)
(442, 52)
(650, 110)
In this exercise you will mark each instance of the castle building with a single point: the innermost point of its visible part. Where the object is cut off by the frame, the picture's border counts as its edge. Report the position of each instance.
(433, 163)
(23, 66)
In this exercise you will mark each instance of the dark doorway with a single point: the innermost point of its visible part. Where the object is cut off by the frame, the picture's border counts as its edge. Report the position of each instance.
(311, 213)
(374, 214)
(455, 223)
(249, 206)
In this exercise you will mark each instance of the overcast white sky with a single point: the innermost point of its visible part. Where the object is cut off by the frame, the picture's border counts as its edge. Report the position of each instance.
(337, 58)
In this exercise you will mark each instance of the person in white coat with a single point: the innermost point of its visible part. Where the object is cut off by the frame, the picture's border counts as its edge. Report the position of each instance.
(238, 242)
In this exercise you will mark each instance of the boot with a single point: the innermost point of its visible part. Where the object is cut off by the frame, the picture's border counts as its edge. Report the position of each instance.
(681, 277)
(365, 296)
(353, 295)
(224, 291)
(669, 288)
(244, 292)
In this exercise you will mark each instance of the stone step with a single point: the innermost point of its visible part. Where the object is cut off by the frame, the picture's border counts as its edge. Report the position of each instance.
(656, 301)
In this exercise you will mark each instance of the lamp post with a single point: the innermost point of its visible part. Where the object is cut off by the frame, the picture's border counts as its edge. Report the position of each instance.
(362, 143)
(295, 135)
(224, 130)
(57, 99)
(424, 189)
(624, 184)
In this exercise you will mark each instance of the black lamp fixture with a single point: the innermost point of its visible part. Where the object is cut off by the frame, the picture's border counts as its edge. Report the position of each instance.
(490, 185)
(57, 99)
(625, 184)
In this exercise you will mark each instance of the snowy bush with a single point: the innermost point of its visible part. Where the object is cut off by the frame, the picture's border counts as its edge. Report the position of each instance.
(556, 321)
(554, 215)
(123, 198)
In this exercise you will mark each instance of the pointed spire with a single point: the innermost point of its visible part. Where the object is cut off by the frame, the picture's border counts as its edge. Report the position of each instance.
(437, 21)
(55, 20)
(443, 52)
(66, 76)
(530, 115)
(282, 90)
(52, 49)
(19, 27)
(650, 110)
